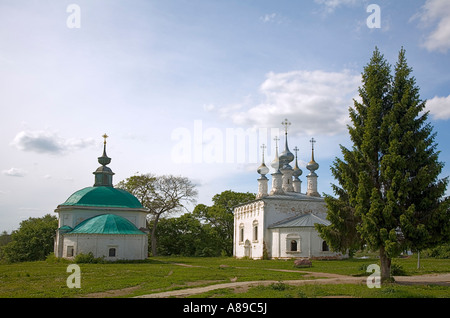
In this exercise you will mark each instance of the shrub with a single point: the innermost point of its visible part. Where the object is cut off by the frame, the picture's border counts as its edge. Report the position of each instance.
(397, 270)
(278, 286)
(52, 259)
(88, 259)
(441, 251)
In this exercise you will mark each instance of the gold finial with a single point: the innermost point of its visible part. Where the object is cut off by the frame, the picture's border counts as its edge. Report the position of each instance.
(104, 137)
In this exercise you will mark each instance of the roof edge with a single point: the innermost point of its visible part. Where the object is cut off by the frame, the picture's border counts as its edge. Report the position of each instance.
(280, 223)
(98, 207)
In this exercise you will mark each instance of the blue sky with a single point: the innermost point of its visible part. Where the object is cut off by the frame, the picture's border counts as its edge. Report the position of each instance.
(172, 82)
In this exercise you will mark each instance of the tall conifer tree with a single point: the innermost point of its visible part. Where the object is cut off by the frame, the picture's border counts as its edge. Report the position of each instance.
(389, 196)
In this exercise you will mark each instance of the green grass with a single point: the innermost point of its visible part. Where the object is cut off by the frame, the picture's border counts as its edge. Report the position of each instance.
(158, 274)
(280, 290)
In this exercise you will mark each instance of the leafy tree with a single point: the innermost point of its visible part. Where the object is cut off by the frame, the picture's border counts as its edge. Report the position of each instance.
(220, 216)
(162, 195)
(390, 194)
(5, 238)
(186, 236)
(33, 241)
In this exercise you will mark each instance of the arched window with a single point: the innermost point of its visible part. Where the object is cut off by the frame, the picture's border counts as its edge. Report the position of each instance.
(255, 231)
(241, 233)
(325, 247)
(112, 252)
(293, 243)
(293, 246)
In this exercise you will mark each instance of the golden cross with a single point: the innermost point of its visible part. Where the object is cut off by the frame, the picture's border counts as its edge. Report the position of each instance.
(104, 137)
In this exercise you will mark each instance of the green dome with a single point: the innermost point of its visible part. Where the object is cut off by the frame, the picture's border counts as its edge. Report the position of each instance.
(106, 224)
(103, 197)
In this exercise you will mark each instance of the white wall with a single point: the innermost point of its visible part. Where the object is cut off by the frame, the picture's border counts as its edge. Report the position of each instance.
(130, 247)
(309, 243)
(273, 209)
(247, 217)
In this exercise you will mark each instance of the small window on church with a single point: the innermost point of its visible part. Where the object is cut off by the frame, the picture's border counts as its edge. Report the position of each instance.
(69, 251)
(112, 252)
(241, 233)
(325, 246)
(255, 230)
(293, 246)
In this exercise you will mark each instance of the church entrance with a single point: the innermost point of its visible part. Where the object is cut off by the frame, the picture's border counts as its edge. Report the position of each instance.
(247, 249)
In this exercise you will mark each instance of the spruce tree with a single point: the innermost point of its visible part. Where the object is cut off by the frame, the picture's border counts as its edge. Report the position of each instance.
(355, 173)
(390, 196)
(411, 169)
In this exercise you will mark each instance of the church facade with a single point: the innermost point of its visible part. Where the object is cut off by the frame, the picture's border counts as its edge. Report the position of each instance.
(110, 223)
(281, 223)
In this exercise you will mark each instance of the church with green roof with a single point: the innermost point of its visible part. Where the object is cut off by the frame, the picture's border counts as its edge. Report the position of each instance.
(103, 220)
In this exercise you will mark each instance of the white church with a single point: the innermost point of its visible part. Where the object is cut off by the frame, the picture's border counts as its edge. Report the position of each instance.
(280, 223)
(110, 223)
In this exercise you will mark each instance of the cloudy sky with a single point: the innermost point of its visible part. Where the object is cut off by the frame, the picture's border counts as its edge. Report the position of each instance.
(194, 87)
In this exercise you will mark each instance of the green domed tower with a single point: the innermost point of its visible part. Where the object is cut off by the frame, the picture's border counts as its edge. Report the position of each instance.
(101, 219)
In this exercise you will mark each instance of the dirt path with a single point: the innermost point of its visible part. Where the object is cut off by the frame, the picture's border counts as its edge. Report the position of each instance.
(439, 279)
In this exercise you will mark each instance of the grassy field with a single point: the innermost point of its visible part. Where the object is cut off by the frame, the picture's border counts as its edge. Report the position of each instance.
(280, 290)
(158, 274)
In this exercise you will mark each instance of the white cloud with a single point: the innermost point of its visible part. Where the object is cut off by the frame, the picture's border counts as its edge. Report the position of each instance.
(208, 107)
(268, 17)
(316, 101)
(14, 172)
(273, 18)
(331, 5)
(436, 13)
(439, 107)
(41, 141)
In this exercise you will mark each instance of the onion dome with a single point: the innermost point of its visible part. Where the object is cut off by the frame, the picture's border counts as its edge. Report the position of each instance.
(297, 171)
(263, 170)
(286, 156)
(312, 165)
(275, 164)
